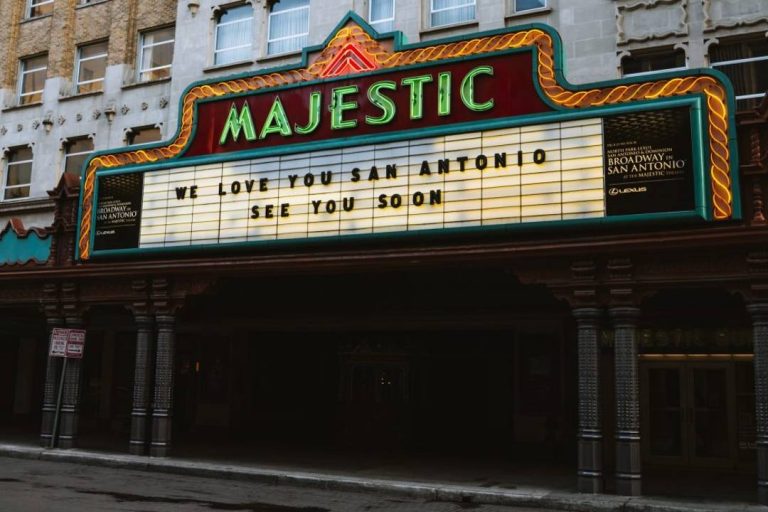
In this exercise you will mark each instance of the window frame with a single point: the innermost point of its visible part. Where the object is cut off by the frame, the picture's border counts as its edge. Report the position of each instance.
(432, 11)
(67, 154)
(24, 71)
(515, 10)
(31, 4)
(6, 171)
(646, 53)
(384, 20)
(135, 130)
(284, 38)
(218, 23)
(747, 60)
(79, 60)
(143, 46)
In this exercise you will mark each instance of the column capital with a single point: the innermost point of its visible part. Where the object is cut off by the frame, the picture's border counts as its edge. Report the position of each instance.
(624, 315)
(165, 320)
(758, 311)
(585, 314)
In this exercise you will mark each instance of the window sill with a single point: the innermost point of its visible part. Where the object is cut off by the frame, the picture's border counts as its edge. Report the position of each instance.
(447, 28)
(80, 95)
(89, 4)
(30, 20)
(146, 83)
(530, 12)
(26, 205)
(278, 56)
(11, 108)
(231, 65)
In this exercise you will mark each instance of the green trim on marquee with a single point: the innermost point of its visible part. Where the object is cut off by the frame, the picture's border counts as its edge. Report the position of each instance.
(701, 157)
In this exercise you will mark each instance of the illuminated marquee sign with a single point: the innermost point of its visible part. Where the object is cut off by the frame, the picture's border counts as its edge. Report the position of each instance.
(370, 136)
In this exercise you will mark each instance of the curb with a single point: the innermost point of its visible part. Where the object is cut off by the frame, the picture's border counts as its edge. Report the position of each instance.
(534, 498)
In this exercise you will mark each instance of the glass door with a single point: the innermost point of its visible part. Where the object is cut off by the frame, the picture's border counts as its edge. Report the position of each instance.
(663, 422)
(687, 416)
(711, 420)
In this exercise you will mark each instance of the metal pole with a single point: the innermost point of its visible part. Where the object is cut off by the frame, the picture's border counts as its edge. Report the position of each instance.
(56, 415)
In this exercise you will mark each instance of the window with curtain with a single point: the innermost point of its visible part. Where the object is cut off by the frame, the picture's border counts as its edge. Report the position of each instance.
(288, 26)
(18, 173)
(76, 152)
(32, 73)
(234, 37)
(449, 12)
(91, 66)
(529, 5)
(653, 62)
(381, 15)
(745, 62)
(156, 54)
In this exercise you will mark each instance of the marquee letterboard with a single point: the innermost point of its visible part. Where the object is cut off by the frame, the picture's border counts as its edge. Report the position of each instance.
(371, 137)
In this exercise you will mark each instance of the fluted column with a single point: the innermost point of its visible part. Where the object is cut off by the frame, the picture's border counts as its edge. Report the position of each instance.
(590, 438)
(162, 404)
(52, 369)
(142, 385)
(70, 403)
(759, 314)
(628, 467)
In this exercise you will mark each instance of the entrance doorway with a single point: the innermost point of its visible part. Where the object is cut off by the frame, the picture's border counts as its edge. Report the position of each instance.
(697, 413)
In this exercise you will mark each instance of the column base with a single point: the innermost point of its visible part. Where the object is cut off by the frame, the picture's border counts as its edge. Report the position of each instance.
(47, 427)
(137, 448)
(161, 435)
(590, 474)
(137, 444)
(628, 469)
(67, 429)
(159, 450)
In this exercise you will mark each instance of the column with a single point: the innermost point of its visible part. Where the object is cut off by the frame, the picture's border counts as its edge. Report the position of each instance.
(142, 384)
(628, 471)
(590, 438)
(52, 369)
(759, 314)
(70, 403)
(162, 405)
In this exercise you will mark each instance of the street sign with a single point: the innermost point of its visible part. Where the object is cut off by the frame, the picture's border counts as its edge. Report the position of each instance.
(59, 342)
(75, 343)
(69, 343)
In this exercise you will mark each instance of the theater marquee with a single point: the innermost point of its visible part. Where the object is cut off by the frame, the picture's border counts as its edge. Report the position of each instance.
(371, 136)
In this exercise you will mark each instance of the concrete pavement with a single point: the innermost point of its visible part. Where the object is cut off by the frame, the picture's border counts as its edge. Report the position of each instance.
(425, 492)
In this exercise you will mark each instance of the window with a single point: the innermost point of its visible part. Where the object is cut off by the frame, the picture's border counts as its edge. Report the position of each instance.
(233, 35)
(288, 26)
(39, 8)
(91, 65)
(76, 152)
(653, 62)
(18, 173)
(529, 5)
(448, 12)
(143, 135)
(32, 79)
(746, 64)
(156, 54)
(382, 15)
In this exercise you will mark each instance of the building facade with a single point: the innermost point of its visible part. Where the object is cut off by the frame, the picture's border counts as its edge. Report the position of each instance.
(617, 350)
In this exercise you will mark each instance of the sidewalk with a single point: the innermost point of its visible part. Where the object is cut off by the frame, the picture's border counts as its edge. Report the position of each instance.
(522, 495)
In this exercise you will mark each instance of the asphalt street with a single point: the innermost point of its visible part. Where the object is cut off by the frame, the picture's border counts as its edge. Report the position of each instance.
(43, 486)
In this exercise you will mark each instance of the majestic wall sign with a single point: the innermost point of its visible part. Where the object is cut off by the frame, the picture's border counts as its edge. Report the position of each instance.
(372, 136)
